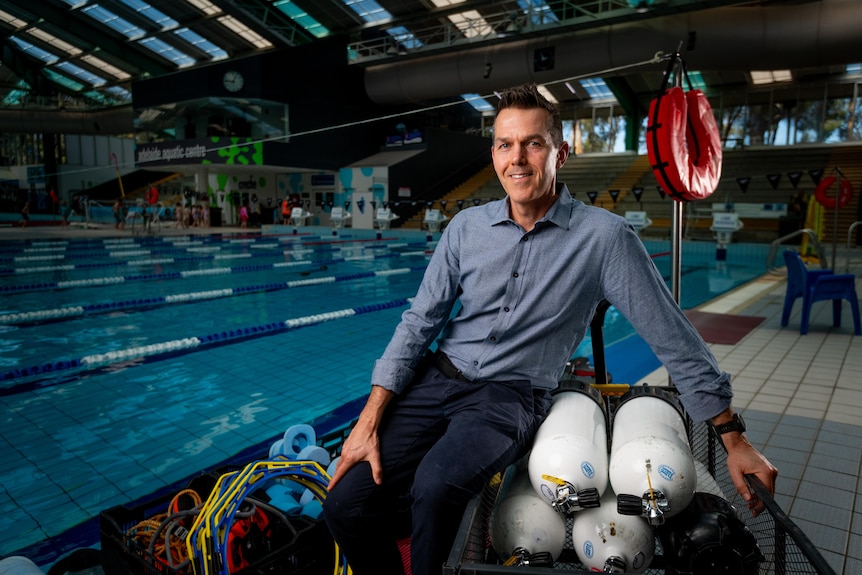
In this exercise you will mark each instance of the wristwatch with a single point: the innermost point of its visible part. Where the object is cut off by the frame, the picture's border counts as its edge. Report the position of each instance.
(735, 424)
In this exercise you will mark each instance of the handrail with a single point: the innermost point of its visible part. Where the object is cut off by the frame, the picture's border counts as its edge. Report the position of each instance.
(852, 227)
(773, 248)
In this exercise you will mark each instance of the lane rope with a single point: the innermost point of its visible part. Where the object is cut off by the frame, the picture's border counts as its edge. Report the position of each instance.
(77, 311)
(192, 343)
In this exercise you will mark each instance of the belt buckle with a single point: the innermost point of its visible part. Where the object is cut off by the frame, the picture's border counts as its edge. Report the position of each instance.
(445, 365)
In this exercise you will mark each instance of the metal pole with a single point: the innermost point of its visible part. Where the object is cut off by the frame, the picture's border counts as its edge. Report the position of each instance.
(676, 250)
(678, 215)
(835, 214)
(835, 230)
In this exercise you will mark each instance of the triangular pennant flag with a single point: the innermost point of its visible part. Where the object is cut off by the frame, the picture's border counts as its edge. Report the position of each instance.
(637, 193)
(743, 183)
(614, 194)
(773, 180)
(794, 178)
(815, 175)
(592, 196)
(660, 191)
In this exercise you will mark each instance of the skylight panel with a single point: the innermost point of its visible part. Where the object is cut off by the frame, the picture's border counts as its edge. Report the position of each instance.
(244, 32)
(471, 24)
(58, 78)
(113, 21)
(100, 64)
(302, 18)
(157, 17)
(761, 77)
(80, 73)
(119, 93)
(696, 79)
(693, 77)
(369, 10)
(54, 42)
(201, 43)
(479, 103)
(205, 6)
(108, 97)
(16, 96)
(538, 11)
(12, 20)
(34, 51)
(404, 37)
(597, 89)
(167, 51)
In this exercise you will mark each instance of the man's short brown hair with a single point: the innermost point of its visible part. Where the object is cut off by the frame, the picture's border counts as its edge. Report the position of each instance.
(526, 97)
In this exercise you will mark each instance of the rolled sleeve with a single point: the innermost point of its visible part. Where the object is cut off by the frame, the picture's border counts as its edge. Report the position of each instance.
(391, 375)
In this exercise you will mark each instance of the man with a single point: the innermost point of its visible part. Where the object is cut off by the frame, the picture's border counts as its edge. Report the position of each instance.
(529, 272)
(119, 216)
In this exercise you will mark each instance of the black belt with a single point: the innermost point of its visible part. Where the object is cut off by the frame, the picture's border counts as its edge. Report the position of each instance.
(447, 368)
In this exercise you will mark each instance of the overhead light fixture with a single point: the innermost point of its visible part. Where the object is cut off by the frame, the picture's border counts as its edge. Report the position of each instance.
(640, 6)
(547, 94)
(761, 77)
(643, 6)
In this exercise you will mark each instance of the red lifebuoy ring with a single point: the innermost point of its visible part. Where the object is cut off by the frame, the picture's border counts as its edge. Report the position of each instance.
(841, 199)
(152, 196)
(684, 145)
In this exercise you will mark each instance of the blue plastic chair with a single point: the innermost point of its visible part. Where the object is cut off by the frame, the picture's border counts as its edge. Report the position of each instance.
(817, 285)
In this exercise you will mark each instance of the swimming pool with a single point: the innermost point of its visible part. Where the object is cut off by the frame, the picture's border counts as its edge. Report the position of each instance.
(129, 364)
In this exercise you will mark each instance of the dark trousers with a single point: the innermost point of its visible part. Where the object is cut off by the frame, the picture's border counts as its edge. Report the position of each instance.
(440, 443)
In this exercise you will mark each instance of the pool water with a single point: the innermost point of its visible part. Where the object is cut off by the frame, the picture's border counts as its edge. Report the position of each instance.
(214, 368)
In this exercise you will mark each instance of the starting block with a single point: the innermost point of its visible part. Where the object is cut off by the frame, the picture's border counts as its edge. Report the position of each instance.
(724, 225)
(384, 218)
(638, 220)
(433, 221)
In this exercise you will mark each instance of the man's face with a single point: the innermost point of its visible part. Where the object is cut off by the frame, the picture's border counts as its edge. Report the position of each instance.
(525, 157)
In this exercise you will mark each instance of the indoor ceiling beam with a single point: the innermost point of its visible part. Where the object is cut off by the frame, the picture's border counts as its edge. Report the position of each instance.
(571, 16)
(271, 21)
(80, 30)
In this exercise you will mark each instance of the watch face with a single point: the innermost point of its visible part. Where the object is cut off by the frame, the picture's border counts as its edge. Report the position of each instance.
(233, 81)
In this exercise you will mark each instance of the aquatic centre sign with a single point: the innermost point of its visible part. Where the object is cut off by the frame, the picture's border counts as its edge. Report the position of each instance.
(215, 150)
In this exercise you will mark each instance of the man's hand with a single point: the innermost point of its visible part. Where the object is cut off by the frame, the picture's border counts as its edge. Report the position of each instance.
(742, 459)
(362, 444)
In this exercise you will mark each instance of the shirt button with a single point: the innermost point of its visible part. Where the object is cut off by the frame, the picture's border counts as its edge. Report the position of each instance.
(493, 338)
(505, 309)
(525, 238)
(514, 275)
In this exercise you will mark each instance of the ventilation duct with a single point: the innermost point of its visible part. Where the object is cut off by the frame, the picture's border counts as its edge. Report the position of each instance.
(747, 38)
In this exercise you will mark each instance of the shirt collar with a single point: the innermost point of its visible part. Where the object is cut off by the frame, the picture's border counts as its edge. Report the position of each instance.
(559, 214)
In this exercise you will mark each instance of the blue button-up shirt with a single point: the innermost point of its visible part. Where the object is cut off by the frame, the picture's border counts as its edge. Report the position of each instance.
(527, 299)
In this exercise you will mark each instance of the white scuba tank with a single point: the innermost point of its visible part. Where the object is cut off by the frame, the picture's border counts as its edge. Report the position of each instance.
(651, 467)
(568, 463)
(522, 524)
(609, 542)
